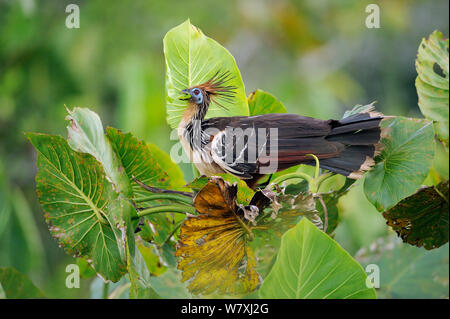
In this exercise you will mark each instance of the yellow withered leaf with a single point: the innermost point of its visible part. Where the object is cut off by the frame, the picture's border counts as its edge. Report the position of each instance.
(213, 246)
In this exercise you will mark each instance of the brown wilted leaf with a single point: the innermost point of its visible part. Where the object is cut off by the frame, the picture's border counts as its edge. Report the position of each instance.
(422, 218)
(213, 250)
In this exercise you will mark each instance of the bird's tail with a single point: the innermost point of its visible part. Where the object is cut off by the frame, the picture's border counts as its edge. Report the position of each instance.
(360, 135)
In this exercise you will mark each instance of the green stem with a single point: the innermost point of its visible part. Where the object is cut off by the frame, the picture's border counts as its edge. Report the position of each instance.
(156, 190)
(246, 228)
(178, 225)
(105, 290)
(175, 197)
(317, 172)
(285, 177)
(195, 171)
(440, 194)
(180, 209)
(325, 214)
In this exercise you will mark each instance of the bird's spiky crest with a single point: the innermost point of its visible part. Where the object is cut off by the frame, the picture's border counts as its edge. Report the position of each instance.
(217, 87)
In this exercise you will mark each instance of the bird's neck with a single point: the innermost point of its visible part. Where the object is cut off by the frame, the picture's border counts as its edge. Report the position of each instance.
(190, 126)
(193, 113)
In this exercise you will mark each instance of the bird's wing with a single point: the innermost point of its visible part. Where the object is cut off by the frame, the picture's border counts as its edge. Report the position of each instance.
(242, 145)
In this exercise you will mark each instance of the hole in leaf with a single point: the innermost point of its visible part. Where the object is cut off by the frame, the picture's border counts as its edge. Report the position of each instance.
(438, 70)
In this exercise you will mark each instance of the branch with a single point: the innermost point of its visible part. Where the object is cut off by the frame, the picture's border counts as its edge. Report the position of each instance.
(325, 213)
(159, 190)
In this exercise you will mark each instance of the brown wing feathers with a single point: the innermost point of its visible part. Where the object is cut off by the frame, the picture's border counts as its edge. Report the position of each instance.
(345, 147)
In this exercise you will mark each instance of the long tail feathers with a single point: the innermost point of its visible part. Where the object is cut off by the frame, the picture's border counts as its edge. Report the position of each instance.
(361, 134)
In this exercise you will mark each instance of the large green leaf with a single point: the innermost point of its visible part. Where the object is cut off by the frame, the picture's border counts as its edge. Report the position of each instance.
(407, 271)
(78, 199)
(122, 156)
(17, 286)
(311, 265)
(403, 163)
(432, 81)
(422, 219)
(86, 135)
(261, 102)
(192, 59)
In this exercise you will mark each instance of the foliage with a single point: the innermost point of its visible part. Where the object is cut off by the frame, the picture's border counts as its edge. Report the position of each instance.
(87, 207)
(422, 219)
(403, 164)
(78, 201)
(261, 102)
(432, 82)
(214, 245)
(121, 204)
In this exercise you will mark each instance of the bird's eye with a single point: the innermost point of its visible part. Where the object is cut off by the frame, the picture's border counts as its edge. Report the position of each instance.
(196, 92)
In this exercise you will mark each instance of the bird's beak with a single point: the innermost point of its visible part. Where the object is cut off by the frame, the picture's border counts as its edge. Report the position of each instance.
(186, 95)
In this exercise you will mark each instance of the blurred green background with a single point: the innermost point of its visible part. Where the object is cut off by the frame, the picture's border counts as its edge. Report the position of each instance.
(316, 56)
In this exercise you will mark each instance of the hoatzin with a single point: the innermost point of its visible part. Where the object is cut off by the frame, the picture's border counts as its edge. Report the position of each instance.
(250, 147)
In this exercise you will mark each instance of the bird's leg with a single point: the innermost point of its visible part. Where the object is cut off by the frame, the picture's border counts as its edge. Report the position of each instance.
(138, 226)
(183, 198)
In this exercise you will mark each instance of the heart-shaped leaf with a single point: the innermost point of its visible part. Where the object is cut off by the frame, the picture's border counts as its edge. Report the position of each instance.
(403, 163)
(77, 197)
(213, 249)
(123, 156)
(432, 81)
(192, 59)
(261, 102)
(311, 265)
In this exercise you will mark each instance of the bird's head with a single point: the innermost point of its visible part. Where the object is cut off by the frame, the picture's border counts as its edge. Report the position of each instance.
(217, 89)
(196, 95)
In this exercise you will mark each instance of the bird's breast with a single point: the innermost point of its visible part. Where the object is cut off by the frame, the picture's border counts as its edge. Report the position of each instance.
(199, 155)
